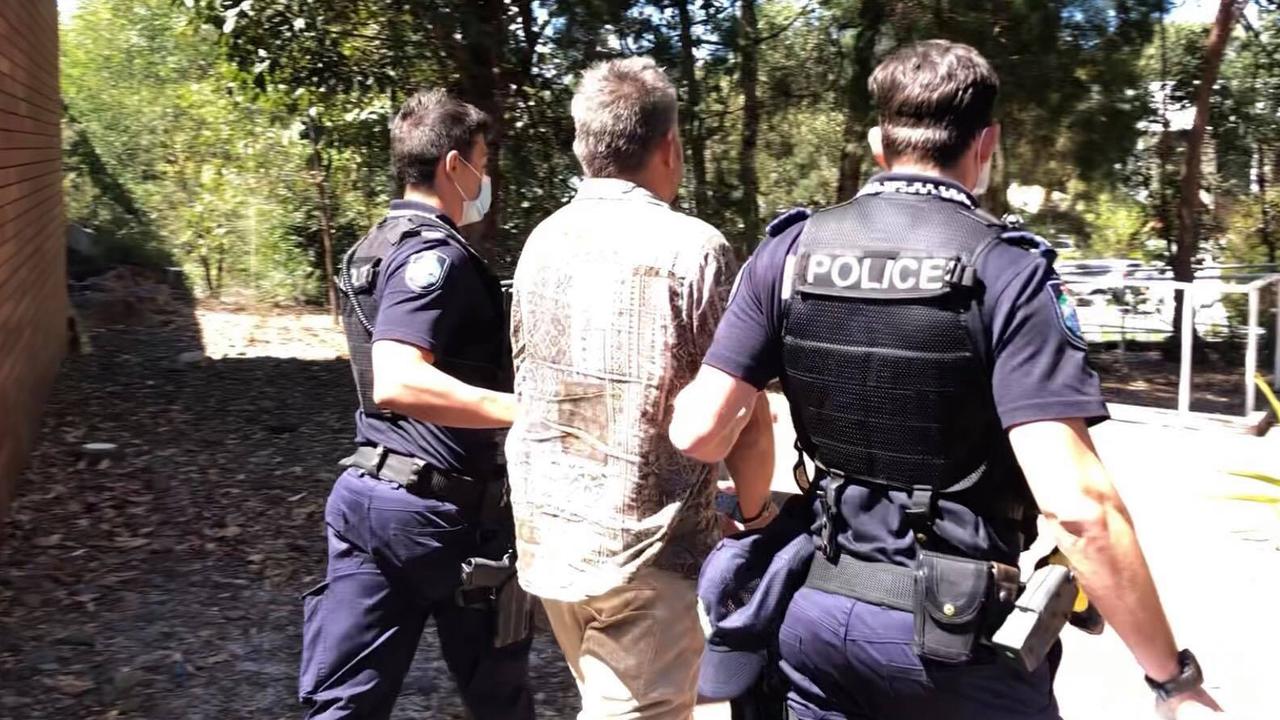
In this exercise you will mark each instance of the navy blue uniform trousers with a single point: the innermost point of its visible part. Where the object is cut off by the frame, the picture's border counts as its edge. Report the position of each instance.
(393, 562)
(847, 659)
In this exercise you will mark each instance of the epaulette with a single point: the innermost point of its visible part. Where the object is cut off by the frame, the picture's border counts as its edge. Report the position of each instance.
(990, 220)
(431, 236)
(787, 219)
(1030, 242)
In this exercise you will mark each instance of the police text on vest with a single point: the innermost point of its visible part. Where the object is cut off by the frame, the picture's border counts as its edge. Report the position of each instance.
(876, 273)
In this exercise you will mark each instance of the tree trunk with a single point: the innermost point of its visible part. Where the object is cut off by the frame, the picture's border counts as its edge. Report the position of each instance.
(871, 17)
(396, 20)
(750, 69)
(320, 177)
(996, 200)
(479, 60)
(208, 275)
(690, 116)
(530, 36)
(222, 261)
(1264, 228)
(1189, 184)
(1162, 145)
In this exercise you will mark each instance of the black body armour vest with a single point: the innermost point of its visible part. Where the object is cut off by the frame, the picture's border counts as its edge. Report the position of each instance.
(484, 363)
(885, 355)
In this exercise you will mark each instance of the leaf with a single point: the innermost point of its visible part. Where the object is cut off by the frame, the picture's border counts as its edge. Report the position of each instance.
(1265, 499)
(1261, 477)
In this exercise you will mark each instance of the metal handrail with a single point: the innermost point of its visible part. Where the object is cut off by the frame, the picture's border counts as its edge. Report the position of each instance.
(1186, 331)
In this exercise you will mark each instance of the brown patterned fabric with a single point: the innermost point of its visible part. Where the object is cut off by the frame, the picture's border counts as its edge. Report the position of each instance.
(616, 299)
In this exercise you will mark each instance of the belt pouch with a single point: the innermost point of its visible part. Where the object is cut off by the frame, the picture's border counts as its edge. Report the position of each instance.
(950, 593)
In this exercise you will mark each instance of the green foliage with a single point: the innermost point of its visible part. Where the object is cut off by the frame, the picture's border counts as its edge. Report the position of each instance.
(1117, 226)
(210, 129)
(799, 159)
(168, 152)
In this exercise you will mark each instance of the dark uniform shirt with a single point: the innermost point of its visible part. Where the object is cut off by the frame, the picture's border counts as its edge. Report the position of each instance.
(1039, 372)
(433, 296)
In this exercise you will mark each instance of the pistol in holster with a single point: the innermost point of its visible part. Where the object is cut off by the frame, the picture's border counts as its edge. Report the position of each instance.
(492, 584)
(488, 581)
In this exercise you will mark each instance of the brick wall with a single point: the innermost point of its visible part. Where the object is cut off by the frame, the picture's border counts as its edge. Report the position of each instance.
(32, 246)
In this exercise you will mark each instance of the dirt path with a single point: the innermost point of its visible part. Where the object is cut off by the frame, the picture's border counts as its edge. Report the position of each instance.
(165, 583)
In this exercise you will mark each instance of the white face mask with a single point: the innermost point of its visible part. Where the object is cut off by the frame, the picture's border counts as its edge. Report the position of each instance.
(474, 210)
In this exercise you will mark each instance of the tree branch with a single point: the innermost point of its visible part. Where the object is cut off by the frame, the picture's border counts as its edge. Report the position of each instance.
(789, 24)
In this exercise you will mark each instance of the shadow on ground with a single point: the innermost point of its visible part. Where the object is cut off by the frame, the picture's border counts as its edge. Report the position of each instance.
(1144, 377)
(164, 583)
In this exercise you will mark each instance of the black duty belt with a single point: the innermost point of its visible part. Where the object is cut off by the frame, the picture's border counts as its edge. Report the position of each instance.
(881, 583)
(874, 582)
(417, 477)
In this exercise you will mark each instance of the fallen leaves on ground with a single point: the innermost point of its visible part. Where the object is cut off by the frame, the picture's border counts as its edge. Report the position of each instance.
(164, 582)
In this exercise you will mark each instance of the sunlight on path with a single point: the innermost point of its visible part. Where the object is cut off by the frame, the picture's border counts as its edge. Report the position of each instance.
(280, 334)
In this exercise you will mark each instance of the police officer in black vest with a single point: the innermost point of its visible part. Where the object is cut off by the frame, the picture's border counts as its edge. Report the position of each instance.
(424, 494)
(938, 381)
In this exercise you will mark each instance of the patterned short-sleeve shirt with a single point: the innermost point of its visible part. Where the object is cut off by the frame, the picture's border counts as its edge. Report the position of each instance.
(616, 299)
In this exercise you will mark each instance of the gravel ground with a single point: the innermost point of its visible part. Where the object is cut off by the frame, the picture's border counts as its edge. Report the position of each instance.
(164, 583)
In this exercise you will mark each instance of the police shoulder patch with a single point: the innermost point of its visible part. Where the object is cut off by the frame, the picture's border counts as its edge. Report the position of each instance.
(1068, 319)
(786, 220)
(426, 270)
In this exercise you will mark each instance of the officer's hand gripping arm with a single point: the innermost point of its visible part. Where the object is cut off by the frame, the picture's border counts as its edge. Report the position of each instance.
(1094, 530)
(406, 381)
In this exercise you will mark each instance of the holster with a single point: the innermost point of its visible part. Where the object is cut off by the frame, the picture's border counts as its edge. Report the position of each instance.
(958, 601)
(1030, 631)
(491, 583)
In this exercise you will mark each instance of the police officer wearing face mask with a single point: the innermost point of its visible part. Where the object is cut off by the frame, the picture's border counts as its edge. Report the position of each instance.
(938, 381)
(424, 494)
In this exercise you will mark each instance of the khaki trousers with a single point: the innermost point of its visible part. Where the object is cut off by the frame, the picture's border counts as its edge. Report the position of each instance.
(635, 650)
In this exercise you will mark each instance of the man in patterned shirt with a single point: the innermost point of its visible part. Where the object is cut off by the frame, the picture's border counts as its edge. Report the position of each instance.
(616, 298)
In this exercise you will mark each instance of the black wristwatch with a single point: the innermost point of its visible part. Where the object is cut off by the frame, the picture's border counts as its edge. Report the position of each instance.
(1188, 678)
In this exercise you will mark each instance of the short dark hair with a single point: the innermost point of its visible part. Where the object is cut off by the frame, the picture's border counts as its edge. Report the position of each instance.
(621, 109)
(934, 97)
(428, 126)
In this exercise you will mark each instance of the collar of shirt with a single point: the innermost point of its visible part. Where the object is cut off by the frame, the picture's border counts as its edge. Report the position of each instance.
(417, 207)
(615, 189)
(919, 184)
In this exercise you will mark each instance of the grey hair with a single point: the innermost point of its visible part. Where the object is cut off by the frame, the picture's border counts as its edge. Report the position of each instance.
(621, 109)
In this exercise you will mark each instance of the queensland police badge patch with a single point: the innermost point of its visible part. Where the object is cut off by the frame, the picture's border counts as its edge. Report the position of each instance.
(426, 270)
(1067, 317)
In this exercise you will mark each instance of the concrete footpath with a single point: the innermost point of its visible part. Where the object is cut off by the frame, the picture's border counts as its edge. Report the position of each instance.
(1216, 562)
